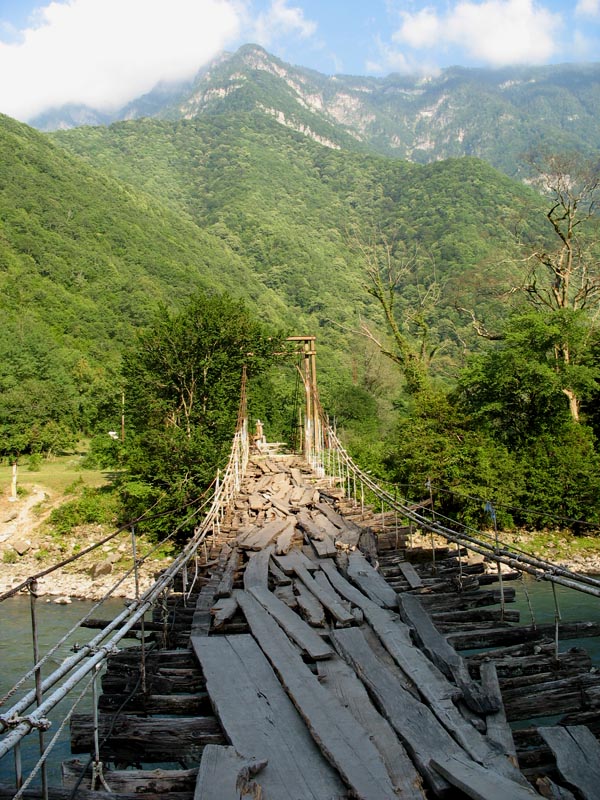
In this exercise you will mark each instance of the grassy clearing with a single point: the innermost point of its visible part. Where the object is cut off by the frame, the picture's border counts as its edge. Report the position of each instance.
(56, 474)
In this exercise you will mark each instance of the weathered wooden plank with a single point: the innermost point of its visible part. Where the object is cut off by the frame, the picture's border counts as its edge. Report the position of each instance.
(156, 739)
(550, 790)
(410, 574)
(284, 540)
(295, 627)
(223, 611)
(325, 547)
(132, 781)
(287, 562)
(341, 679)
(185, 705)
(443, 655)
(278, 575)
(349, 532)
(419, 731)
(327, 598)
(480, 783)
(264, 535)
(225, 775)
(225, 586)
(256, 573)
(446, 601)
(310, 608)
(395, 636)
(576, 693)
(371, 582)
(497, 728)
(261, 721)
(577, 753)
(344, 742)
(500, 637)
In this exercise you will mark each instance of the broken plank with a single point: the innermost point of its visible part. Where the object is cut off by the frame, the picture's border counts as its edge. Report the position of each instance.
(371, 582)
(410, 574)
(310, 608)
(225, 586)
(287, 562)
(342, 740)
(295, 627)
(497, 728)
(577, 754)
(263, 536)
(261, 721)
(223, 610)
(444, 655)
(327, 598)
(256, 573)
(224, 774)
(284, 540)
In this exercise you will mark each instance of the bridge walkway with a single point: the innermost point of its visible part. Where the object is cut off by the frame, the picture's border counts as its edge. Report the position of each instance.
(310, 653)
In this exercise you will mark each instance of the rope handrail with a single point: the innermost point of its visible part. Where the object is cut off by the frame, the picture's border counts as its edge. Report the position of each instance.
(71, 672)
(513, 557)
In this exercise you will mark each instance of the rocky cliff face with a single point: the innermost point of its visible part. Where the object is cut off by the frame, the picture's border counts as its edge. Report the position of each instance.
(496, 115)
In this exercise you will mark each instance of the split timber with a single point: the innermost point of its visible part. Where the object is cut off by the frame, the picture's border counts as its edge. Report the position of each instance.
(314, 656)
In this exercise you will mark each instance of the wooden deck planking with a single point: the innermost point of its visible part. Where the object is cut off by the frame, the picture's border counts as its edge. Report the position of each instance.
(341, 679)
(261, 721)
(344, 742)
(577, 754)
(224, 774)
(371, 582)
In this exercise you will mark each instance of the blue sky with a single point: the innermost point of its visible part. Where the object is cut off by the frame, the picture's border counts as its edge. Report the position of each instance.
(105, 52)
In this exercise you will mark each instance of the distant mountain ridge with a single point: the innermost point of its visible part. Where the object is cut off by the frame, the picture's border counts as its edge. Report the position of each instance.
(496, 115)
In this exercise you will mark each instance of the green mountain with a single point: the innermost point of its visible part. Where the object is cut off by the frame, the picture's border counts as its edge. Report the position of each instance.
(496, 115)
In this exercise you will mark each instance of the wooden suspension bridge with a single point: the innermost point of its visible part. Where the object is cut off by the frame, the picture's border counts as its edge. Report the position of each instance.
(302, 647)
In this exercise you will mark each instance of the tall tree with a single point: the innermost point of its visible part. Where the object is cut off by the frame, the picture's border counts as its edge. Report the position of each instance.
(566, 278)
(182, 393)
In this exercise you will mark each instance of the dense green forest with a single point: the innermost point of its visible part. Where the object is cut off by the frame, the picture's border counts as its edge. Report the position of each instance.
(436, 356)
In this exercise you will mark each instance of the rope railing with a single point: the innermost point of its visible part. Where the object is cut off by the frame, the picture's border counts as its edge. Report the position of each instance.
(14, 723)
(336, 463)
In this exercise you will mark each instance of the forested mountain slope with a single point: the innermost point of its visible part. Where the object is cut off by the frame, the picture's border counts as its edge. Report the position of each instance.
(497, 115)
(84, 260)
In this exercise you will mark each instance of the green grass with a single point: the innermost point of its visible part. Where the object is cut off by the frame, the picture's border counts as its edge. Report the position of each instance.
(56, 474)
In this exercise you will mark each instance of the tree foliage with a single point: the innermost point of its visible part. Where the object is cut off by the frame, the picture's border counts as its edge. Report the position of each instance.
(183, 380)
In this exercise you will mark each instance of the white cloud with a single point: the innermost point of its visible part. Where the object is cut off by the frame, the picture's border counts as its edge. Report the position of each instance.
(282, 20)
(106, 52)
(494, 32)
(588, 8)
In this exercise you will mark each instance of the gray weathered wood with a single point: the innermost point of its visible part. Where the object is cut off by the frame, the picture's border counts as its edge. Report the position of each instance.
(130, 781)
(371, 582)
(224, 774)
(577, 754)
(420, 732)
(498, 729)
(284, 540)
(295, 627)
(550, 790)
(310, 608)
(278, 575)
(443, 654)
(223, 610)
(262, 536)
(344, 742)
(327, 598)
(261, 721)
(256, 573)
(341, 679)
(225, 586)
(479, 783)
(287, 562)
(410, 574)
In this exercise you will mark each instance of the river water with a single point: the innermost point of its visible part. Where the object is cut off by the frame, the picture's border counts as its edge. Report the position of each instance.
(55, 620)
